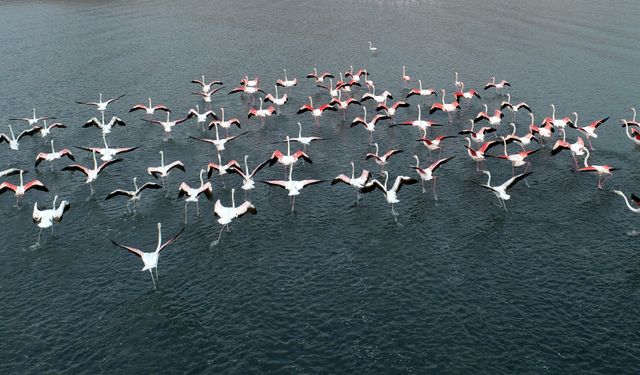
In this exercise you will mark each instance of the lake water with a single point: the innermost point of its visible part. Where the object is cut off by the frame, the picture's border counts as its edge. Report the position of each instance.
(552, 286)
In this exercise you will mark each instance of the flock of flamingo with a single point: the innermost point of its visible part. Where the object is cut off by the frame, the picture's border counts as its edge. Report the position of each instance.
(487, 137)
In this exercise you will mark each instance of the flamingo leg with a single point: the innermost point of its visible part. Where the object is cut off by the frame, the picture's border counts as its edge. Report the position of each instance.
(293, 204)
(590, 145)
(185, 212)
(435, 190)
(153, 279)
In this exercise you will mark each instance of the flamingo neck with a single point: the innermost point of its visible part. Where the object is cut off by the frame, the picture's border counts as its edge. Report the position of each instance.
(135, 183)
(233, 199)
(52, 150)
(353, 171)
(202, 172)
(95, 162)
(417, 160)
(376, 146)
(11, 131)
(55, 198)
(386, 180)
(149, 102)
(222, 110)
(514, 129)
(420, 84)
(34, 114)
(21, 178)
(159, 237)
(508, 98)
(443, 93)
(553, 111)
(576, 115)
(419, 113)
(299, 130)
(632, 108)
(586, 159)
(162, 158)
(246, 165)
(488, 178)
(288, 146)
(217, 136)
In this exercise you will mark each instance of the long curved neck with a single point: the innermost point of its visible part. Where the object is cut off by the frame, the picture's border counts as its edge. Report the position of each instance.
(100, 98)
(468, 142)
(532, 121)
(508, 98)
(553, 111)
(52, 150)
(291, 173)
(285, 75)
(160, 234)
(201, 173)
(586, 158)
(486, 109)
(386, 180)
(135, 183)
(11, 131)
(95, 162)
(488, 178)
(443, 93)
(150, 103)
(626, 201)
(419, 113)
(376, 146)
(632, 108)
(104, 139)
(299, 130)
(55, 198)
(504, 141)
(34, 114)
(277, 92)
(222, 110)
(514, 129)
(576, 115)
(404, 71)
(162, 158)
(420, 84)
(626, 125)
(417, 160)
(217, 136)
(311, 102)
(353, 171)
(261, 104)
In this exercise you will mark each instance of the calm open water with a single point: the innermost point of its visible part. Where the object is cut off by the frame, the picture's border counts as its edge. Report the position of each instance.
(553, 286)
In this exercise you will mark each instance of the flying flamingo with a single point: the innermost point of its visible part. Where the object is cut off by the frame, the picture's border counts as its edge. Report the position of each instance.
(316, 112)
(477, 136)
(100, 105)
(287, 82)
(201, 117)
(319, 78)
(262, 113)
(149, 109)
(478, 155)
(544, 131)
(382, 160)
(421, 92)
(247, 175)
(632, 122)
(46, 218)
(357, 183)
(343, 105)
(370, 126)
(133, 195)
(206, 86)
(21, 190)
(589, 130)
(497, 85)
(206, 96)
(421, 124)
(53, 155)
(277, 100)
(600, 170)
(305, 141)
(105, 127)
(250, 82)
(391, 194)
(218, 142)
(466, 94)
(377, 98)
(391, 110)
(13, 141)
(45, 130)
(448, 108)
(426, 174)
(163, 170)
(288, 160)
(168, 125)
(514, 107)
(494, 120)
(435, 143)
(31, 121)
(92, 174)
(559, 123)
(294, 187)
(226, 214)
(193, 194)
(107, 153)
(150, 259)
(524, 140)
(500, 191)
(225, 124)
(577, 148)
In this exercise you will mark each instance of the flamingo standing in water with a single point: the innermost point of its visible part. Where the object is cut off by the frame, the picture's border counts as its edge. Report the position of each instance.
(226, 214)
(600, 170)
(357, 183)
(193, 194)
(500, 191)
(150, 259)
(426, 174)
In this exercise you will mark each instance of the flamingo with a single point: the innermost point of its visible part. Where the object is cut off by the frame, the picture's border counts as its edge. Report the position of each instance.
(434, 144)
(420, 91)
(9, 172)
(250, 82)
(294, 187)
(31, 121)
(316, 112)
(391, 110)
(634, 198)
(135, 194)
(92, 174)
(633, 121)
(201, 117)
(149, 109)
(545, 131)
(382, 160)
(445, 107)
(288, 159)
(405, 77)
(357, 183)
(205, 87)
(514, 107)
(100, 105)
(391, 194)
(494, 120)
(46, 218)
(355, 76)
(218, 142)
(421, 124)
(372, 49)
(220, 167)
(105, 127)
(247, 175)
(600, 170)
(150, 259)
(193, 194)
(500, 191)
(478, 155)
(305, 141)
(477, 136)
(277, 100)
(589, 130)
(21, 190)
(465, 94)
(370, 126)
(319, 78)
(525, 140)
(46, 130)
(634, 135)
(246, 89)
(287, 82)
(225, 124)
(206, 96)
(333, 91)
(517, 159)
(107, 153)
(262, 113)
(560, 124)
(426, 174)
(343, 104)
(53, 155)
(458, 84)
(342, 85)
(497, 85)
(577, 148)
(168, 125)
(163, 170)
(378, 98)
(13, 141)
(226, 214)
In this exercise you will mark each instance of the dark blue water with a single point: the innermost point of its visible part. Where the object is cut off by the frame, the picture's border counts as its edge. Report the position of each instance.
(552, 286)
